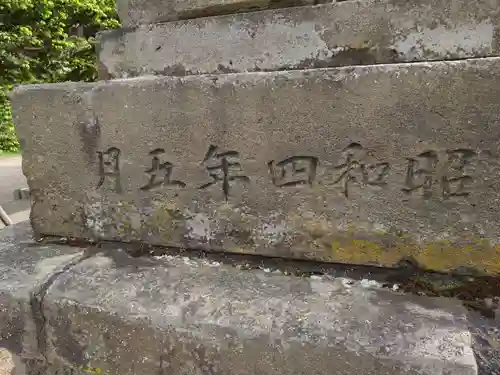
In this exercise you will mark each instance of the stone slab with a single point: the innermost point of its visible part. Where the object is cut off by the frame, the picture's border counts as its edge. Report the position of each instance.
(135, 12)
(24, 269)
(115, 315)
(365, 165)
(346, 33)
(21, 194)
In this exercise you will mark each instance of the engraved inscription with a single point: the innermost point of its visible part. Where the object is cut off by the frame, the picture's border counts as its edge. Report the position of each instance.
(446, 173)
(223, 167)
(109, 167)
(160, 174)
(422, 173)
(355, 170)
(419, 173)
(455, 181)
(293, 171)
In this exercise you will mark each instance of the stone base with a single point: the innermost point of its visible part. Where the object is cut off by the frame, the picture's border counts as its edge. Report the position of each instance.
(103, 312)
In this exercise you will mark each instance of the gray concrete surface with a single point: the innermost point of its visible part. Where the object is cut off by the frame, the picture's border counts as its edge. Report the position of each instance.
(12, 178)
(102, 311)
(370, 164)
(345, 33)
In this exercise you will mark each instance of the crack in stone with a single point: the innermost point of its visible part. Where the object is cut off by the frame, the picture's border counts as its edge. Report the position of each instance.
(36, 304)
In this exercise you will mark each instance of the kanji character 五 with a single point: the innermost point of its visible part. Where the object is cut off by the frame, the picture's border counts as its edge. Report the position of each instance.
(160, 174)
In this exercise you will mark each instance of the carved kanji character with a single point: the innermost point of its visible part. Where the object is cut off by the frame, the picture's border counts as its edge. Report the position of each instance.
(355, 170)
(454, 180)
(224, 169)
(420, 173)
(160, 174)
(109, 167)
(293, 171)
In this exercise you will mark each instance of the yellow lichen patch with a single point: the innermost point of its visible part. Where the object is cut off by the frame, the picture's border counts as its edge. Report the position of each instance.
(442, 256)
(356, 251)
(164, 221)
(123, 227)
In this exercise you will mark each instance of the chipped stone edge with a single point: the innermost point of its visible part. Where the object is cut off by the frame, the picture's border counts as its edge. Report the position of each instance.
(243, 78)
(33, 339)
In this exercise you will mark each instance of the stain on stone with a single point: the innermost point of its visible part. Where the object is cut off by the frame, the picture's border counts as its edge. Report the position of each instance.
(89, 130)
(291, 3)
(175, 70)
(350, 56)
(224, 9)
(122, 259)
(66, 344)
(241, 236)
(11, 336)
(244, 7)
(224, 69)
(115, 33)
(496, 39)
(103, 72)
(22, 142)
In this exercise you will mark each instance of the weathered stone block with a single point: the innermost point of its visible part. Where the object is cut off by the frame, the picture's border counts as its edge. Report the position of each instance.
(135, 12)
(24, 270)
(347, 33)
(120, 316)
(370, 164)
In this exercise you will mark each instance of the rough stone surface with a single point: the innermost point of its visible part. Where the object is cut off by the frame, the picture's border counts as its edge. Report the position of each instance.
(346, 33)
(68, 313)
(373, 164)
(24, 269)
(485, 343)
(116, 315)
(135, 12)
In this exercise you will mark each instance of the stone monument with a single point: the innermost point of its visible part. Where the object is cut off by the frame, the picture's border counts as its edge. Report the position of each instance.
(361, 133)
(224, 137)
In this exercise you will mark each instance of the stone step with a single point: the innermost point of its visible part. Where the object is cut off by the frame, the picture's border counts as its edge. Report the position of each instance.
(366, 165)
(103, 312)
(136, 12)
(346, 33)
(21, 194)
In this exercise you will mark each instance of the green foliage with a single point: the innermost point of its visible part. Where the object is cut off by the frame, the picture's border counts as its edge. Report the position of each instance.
(8, 140)
(47, 41)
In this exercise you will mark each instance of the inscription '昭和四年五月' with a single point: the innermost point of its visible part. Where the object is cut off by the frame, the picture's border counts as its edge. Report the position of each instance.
(429, 174)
